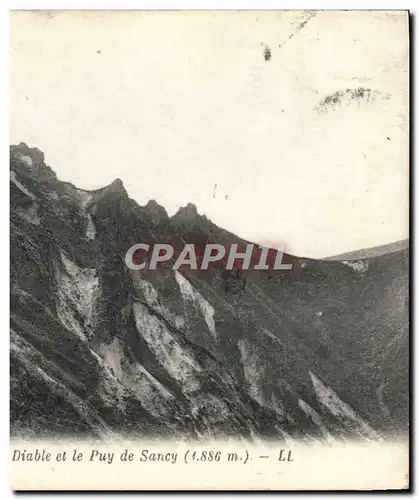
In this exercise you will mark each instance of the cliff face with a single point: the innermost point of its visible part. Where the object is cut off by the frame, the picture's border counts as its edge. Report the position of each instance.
(319, 351)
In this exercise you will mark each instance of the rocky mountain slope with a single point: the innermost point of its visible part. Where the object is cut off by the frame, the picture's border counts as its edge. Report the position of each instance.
(316, 352)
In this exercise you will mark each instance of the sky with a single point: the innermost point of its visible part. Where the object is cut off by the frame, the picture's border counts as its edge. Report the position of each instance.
(254, 117)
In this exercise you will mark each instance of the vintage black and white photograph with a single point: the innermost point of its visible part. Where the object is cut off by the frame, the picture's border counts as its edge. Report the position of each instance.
(209, 233)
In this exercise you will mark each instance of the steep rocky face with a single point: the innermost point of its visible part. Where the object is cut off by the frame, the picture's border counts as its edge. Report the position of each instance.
(319, 351)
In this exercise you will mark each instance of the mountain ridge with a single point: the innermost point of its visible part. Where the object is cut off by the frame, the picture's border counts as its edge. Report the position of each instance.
(319, 352)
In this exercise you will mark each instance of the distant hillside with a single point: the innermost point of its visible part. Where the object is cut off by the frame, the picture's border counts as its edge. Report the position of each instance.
(367, 253)
(318, 352)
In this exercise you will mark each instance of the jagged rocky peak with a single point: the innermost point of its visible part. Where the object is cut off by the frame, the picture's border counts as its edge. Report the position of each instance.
(30, 156)
(190, 212)
(189, 218)
(114, 190)
(30, 162)
(116, 186)
(156, 212)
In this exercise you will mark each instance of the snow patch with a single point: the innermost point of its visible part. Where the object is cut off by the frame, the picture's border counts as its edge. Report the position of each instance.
(85, 198)
(96, 356)
(152, 299)
(155, 398)
(27, 159)
(135, 378)
(176, 360)
(112, 355)
(77, 290)
(190, 294)
(151, 383)
(317, 419)
(359, 266)
(256, 377)
(91, 229)
(338, 408)
(252, 370)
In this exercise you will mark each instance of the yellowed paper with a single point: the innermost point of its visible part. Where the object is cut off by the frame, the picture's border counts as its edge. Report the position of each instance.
(215, 466)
